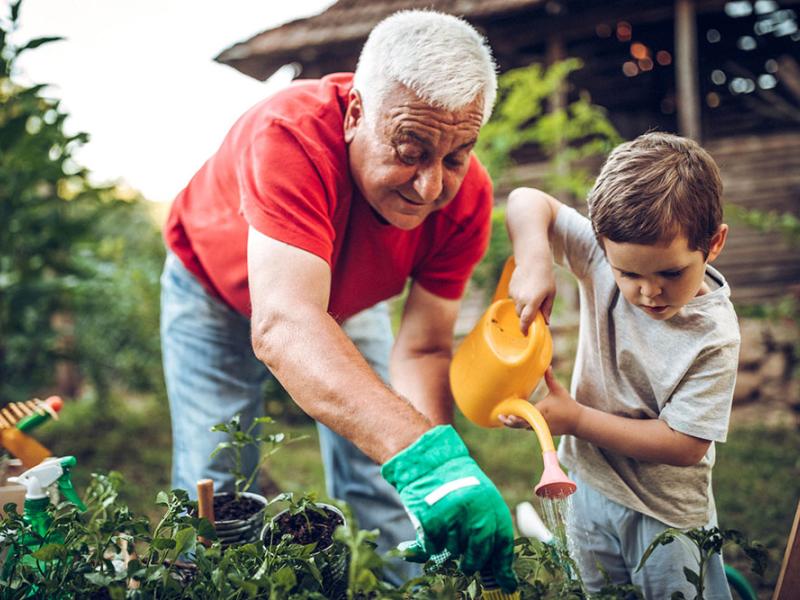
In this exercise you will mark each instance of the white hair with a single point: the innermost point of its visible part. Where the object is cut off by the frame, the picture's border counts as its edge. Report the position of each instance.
(439, 57)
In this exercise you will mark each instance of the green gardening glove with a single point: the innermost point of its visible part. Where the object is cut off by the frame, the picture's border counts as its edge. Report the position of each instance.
(454, 505)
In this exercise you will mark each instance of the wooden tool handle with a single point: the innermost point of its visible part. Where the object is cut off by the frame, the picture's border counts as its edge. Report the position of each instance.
(24, 447)
(205, 499)
(205, 503)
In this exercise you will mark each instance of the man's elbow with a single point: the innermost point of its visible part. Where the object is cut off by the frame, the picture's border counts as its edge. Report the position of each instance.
(263, 337)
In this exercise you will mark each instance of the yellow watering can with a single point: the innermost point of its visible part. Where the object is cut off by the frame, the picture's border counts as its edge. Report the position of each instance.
(496, 369)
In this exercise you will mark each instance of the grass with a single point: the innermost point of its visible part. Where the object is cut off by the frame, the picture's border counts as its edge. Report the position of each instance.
(756, 479)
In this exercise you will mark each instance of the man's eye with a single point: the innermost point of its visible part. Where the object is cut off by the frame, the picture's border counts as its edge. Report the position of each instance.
(408, 155)
(454, 162)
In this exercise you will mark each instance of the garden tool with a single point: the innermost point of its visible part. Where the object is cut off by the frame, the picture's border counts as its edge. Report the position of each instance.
(17, 418)
(205, 503)
(30, 414)
(530, 524)
(495, 370)
(36, 481)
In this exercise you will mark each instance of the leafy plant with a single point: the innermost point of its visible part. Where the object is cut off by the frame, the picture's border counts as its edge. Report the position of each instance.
(567, 136)
(706, 542)
(571, 138)
(78, 263)
(240, 439)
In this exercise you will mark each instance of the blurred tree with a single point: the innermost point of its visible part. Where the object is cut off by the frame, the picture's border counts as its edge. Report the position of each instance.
(572, 138)
(78, 266)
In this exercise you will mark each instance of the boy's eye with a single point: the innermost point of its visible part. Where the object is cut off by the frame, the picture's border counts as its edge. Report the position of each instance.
(628, 275)
(672, 274)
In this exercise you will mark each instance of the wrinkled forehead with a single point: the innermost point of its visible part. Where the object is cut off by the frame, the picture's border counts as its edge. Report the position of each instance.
(402, 113)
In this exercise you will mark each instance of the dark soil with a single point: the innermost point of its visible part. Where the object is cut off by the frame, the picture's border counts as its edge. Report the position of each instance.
(228, 508)
(321, 530)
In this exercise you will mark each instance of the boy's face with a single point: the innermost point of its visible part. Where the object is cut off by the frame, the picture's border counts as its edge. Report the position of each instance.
(661, 278)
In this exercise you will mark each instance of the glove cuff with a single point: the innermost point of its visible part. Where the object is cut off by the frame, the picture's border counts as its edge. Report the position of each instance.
(431, 450)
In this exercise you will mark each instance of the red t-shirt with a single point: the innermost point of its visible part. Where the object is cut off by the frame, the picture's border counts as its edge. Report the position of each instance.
(283, 170)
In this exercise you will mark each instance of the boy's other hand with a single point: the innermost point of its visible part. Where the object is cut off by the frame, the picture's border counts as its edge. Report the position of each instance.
(558, 408)
(533, 288)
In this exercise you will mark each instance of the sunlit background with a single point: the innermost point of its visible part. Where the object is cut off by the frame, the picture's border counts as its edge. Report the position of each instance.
(140, 77)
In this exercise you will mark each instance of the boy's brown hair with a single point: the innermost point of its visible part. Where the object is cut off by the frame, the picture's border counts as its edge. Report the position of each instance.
(654, 188)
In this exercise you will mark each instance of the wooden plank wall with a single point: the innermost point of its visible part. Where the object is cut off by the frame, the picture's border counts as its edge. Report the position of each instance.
(759, 172)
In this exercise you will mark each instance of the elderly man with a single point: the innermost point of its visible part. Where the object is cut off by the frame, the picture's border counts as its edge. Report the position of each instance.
(322, 201)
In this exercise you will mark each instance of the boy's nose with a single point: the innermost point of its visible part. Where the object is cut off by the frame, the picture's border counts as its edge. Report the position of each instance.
(650, 290)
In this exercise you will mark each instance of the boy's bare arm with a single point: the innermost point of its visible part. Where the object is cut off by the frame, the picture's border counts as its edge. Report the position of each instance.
(650, 440)
(530, 215)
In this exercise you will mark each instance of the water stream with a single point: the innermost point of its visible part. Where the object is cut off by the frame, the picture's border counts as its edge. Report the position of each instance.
(556, 513)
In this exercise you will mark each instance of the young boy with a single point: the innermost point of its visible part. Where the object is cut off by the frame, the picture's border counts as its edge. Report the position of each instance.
(656, 360)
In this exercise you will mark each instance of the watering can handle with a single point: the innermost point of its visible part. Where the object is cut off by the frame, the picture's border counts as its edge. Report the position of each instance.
(501, 293)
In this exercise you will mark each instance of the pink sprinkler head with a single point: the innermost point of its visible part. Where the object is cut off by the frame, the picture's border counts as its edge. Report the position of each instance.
(554, 482)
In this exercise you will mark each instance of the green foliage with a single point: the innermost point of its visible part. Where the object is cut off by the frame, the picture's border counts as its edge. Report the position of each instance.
(253, 436)
(110, 552)
(570, 137)
(567, 135)
(782, 223)
(487, 272)
(78, 266)
(706, 542)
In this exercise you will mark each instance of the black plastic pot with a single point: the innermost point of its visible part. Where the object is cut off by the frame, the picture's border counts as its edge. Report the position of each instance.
(332, 559)
(233, 532)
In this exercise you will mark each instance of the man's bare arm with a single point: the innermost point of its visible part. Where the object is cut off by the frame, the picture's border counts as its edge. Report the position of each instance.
(307, 351)
(421, 356)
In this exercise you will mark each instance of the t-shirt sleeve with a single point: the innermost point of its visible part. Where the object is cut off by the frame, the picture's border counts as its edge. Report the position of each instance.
(701, 404)
(283, 194)
(446, 273)
(573, 242)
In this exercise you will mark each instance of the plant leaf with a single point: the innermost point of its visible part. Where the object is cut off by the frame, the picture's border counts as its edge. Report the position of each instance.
(50, 552)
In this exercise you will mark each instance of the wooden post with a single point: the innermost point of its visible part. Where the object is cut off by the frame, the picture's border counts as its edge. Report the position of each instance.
(789, 579)
(556, 52)
(686, 78)
(205, 503)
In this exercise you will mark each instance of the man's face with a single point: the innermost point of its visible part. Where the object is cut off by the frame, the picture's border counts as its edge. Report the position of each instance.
(409, 158)
(661, 278)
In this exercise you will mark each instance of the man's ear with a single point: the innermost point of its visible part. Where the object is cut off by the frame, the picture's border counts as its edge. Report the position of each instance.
(717, 242)
(353, 116)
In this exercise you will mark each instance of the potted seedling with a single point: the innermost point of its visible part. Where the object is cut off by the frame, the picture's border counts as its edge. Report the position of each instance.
(239, 515)
(312, 524)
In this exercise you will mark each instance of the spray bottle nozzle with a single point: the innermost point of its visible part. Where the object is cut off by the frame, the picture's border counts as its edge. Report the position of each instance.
(51, 470)
(65, 482)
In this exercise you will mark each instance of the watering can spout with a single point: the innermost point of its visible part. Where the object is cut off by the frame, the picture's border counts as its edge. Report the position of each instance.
(554, 483)
(496, 369)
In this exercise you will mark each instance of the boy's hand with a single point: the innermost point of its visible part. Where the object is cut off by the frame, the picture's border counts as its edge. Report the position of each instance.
(558, 408)
(533, 288)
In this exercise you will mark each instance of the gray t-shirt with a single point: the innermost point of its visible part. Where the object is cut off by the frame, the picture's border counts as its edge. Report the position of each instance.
(681, 370)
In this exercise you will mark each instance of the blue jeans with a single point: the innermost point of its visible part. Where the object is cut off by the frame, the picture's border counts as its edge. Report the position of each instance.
(212, 374)
(606, 534)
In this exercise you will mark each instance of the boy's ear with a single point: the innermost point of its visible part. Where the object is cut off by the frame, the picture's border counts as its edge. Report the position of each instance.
(717, 242)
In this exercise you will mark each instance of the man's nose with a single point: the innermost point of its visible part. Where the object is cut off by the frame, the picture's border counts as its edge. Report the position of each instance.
(428, 182)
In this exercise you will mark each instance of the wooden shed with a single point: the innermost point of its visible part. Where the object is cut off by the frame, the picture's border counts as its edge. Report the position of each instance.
(725, 73)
